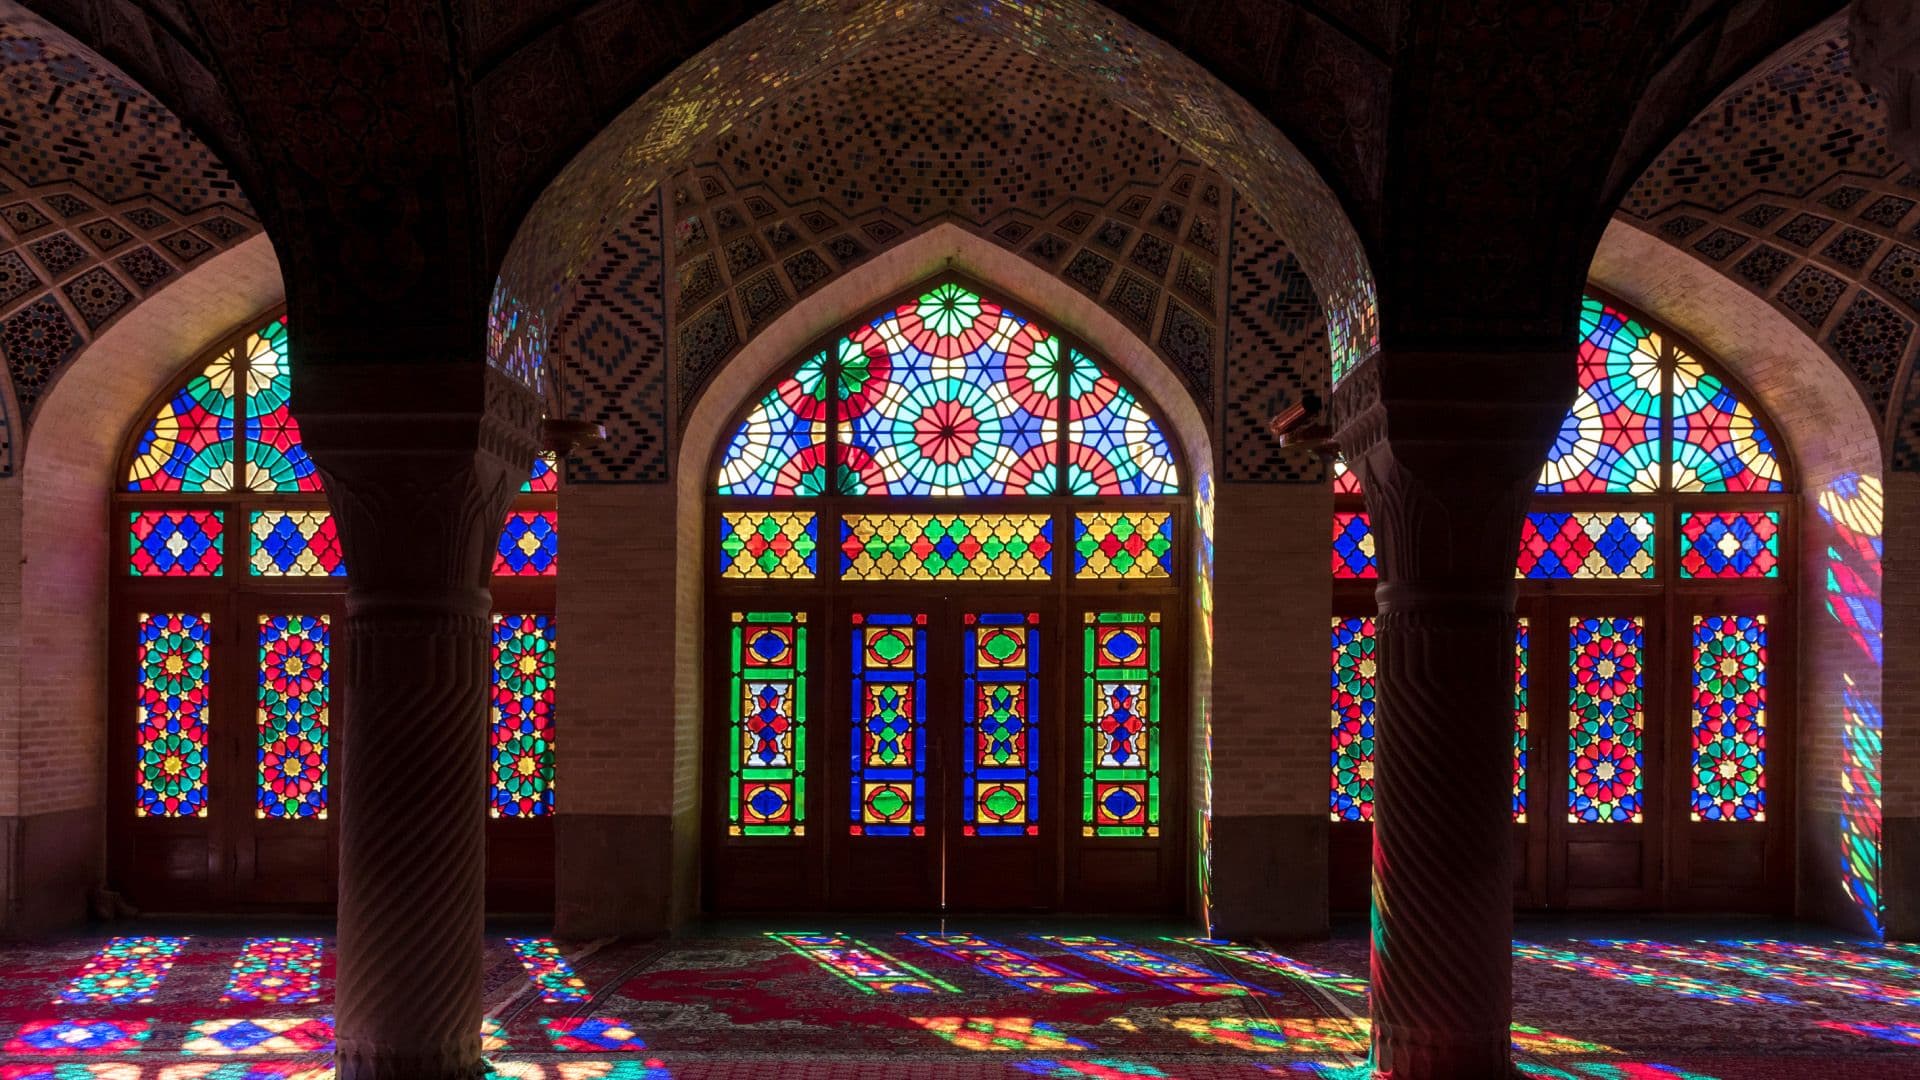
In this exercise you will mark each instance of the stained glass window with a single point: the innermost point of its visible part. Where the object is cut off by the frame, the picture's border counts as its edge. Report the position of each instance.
(888, 796)
(1353, 709)
(1581, 544)
(1353, 555)
(769, 544)
(545, 477)
(276, 460)
(1730, 544)
(295, 543)
(781, 447)
(1610, 439)
(1345, 480)
(529, 545)
(1729, 717)
(949, 395)
(1000, 791)
(1606, 688)
(294, 688)
(1520, 644)
(188, 446)
(173, 696)
(929, 547)
(523, 696)
(175, 543)
(1114, 446)
(1718, 444)
(767, 768)
(1123, 544)
(1120, 755)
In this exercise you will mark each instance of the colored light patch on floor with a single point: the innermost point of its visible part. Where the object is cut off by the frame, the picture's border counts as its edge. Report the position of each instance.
(78, 1037)
(279, 970)
(126, 969)
(1157, 968)
(1531, 1040)
(1641, 975)
(246, 1070)
(650, 1069)
(1322, 1070)
(548, 969)
(868, 968)
(68, 1070)
(1849, 959)
(1303, 1035)
(998, 1033)
(1093, 1069)
(1009, 964)
(1276, 964)
(592, 1034)
(1796, 975)
(312, 1035)
(1608, 1070)
(1903, 1034)
(493, 1035)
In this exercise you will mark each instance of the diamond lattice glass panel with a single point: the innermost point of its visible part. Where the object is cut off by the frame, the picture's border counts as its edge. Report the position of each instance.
(1353, 556)
(888, 794)
(295, 543)
(767, 770)
(1583, 544)
(294, 688)
(1731, 544)
(950, 394)
(1606, 691)
(1610, 439)
(928, 547)
(1000, 790)
(1120, 748)
(276, 460)
(1520, 643)
(1114, 445)
(545, 477)
(172, 695)
(1122, 545)
(523, 697)
(189, 445)
(769, 544)
(175, 543)
(1718, 444)
(781, 447)
(1353, 705)
(1729, 718)
(529, 545)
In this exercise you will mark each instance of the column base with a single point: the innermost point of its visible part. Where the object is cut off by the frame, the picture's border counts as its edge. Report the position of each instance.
(1399, 1054)
(406, 1065)
(1269, 876)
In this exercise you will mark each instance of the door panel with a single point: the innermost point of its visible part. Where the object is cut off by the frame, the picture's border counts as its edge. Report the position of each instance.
(886, 852)
(1002, 853)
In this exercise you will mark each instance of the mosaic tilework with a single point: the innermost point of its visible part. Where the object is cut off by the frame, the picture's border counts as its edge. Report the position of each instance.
(38, 340)
(1869, 340)
(613, 346)
(1276, 351)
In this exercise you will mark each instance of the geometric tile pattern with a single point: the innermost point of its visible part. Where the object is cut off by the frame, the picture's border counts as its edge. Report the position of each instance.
(1869, 339)
(1276, 353)
(613, 340)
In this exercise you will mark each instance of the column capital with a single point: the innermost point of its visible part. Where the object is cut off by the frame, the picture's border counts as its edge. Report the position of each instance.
(1447, 445)
(1886, 58)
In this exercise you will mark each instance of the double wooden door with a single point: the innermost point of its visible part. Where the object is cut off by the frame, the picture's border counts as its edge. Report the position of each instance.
(957, 748)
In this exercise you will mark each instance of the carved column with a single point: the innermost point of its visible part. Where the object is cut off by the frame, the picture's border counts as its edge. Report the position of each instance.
(1448, 447)
(421, 461)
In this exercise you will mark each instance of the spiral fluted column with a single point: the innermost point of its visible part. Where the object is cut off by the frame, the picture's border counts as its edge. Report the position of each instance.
(421, 463)
(1448, 447)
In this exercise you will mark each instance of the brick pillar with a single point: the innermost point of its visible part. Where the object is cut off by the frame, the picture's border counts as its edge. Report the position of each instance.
(1448, 447)
(421, 461)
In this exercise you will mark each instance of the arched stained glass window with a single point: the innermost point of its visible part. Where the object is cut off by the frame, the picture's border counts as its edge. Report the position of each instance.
(229, 606)
(946, 525)
(1656, 549)
(949, 395)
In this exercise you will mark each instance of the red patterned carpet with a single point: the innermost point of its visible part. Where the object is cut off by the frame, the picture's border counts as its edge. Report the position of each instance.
(1745, 1002)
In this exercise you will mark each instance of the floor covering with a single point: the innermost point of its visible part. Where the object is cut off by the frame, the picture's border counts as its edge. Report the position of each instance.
(968, 999)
